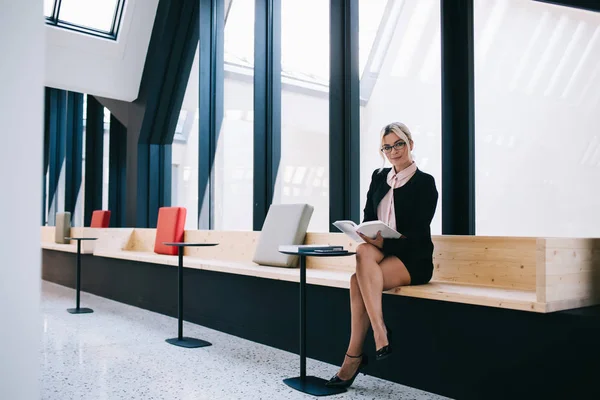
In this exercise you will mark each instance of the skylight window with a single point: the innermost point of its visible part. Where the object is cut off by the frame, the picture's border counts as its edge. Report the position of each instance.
(96, 17)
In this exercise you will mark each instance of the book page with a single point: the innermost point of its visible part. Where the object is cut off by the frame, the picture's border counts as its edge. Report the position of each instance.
(349, 228)
(370, 229)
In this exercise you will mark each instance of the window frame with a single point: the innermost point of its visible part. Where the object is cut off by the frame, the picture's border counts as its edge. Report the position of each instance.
(54, 20)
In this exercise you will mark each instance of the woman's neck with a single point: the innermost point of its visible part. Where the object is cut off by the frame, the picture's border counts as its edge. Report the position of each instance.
(401, 167)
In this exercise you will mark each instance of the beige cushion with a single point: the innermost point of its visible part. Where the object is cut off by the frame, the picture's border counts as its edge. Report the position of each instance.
(285, 224)
(63, 227)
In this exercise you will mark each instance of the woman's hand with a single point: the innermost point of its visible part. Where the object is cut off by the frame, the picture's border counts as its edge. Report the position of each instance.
(377, 242)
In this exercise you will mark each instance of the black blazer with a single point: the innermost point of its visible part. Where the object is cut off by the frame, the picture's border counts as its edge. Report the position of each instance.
(414, 205)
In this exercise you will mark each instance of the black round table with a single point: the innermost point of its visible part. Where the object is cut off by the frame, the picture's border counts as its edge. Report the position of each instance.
(180, 340)
(77, 309)
(310, 384)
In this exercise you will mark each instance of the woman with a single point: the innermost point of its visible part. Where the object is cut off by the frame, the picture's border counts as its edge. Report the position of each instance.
(404, 198)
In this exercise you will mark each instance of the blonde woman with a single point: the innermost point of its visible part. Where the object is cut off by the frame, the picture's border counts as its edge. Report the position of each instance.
(405, 198)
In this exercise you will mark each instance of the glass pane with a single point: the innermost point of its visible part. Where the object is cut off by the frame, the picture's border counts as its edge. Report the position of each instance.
(49, 7)
(78, 217)
(184, 173)
(234, 161)
(47, 205)
(183, 116)
(303, 175)
(239, 33)
(81, 198)
(105, 159)
(174, 183)
(305, 52)
(404, 85)
(537, 92)
(370, 13)
(95, 14)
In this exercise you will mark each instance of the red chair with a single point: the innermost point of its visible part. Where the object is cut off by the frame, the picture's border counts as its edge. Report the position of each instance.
(169, 228)
(100, 219)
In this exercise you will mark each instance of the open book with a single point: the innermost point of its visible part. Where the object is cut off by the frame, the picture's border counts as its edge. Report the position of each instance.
(369, 229)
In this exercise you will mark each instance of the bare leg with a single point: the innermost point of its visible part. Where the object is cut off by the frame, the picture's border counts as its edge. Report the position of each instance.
(393, 273)
(359, 327)
(373, 279)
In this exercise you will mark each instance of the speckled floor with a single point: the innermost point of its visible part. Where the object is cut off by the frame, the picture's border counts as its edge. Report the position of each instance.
(119, 352)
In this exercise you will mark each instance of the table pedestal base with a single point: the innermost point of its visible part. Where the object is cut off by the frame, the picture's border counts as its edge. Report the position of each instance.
(187, 342)
(312, 385)
(80, 310)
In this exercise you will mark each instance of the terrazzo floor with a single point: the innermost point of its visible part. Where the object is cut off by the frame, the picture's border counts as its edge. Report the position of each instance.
(119, 352)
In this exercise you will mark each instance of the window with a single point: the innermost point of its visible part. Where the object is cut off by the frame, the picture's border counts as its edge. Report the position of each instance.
(303, 175)
(233, 165)
(296, 41)
(401, 82)
(370, 13)
(239, 34)
(96, 17)
(105, 162)
(537, 143)
(106, 159)
(234, 160)
(184, 175)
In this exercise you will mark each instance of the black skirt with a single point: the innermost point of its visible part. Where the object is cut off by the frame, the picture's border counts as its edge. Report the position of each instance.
(420, 269)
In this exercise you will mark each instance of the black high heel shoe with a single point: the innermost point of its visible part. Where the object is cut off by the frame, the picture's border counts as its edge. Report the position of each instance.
(340, 383)
(385, 351)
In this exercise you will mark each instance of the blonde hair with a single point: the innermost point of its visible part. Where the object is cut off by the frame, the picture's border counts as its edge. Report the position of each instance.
(400, 130)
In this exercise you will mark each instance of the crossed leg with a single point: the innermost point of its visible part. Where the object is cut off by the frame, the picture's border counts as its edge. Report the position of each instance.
(374, 274)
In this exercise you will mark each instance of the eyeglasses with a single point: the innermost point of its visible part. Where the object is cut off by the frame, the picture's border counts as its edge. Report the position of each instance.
(397, 146)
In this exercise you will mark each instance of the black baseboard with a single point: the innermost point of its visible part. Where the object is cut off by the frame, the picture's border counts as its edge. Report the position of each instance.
(457, 350)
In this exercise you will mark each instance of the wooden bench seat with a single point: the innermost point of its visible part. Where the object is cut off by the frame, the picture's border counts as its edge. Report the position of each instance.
(528, 274)
(524, 300)
(323, 277)
(140, 256)
(69, 248)
(470, 294)
(87, 247)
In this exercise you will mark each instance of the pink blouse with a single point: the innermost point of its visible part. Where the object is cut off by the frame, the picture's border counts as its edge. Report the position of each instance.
(385, 210)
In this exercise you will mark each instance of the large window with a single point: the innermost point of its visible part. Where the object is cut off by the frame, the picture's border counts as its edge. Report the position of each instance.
(399, 55)
(537, 96)
(400, 81)
(97, 17)
(303, 175)
(233, 165)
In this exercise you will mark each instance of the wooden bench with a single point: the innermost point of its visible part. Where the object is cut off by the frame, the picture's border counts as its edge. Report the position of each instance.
(529, 274)
(48, 243)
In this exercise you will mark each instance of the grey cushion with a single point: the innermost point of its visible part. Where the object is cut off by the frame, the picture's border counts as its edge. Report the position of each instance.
(285, 224)
(63, 227)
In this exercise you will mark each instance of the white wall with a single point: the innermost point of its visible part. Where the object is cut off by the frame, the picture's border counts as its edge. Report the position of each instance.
(21, 124)
(107, 68)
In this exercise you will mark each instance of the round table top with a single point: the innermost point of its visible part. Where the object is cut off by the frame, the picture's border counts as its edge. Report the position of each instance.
(80, 238)
(189, 244)
(319, 254)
